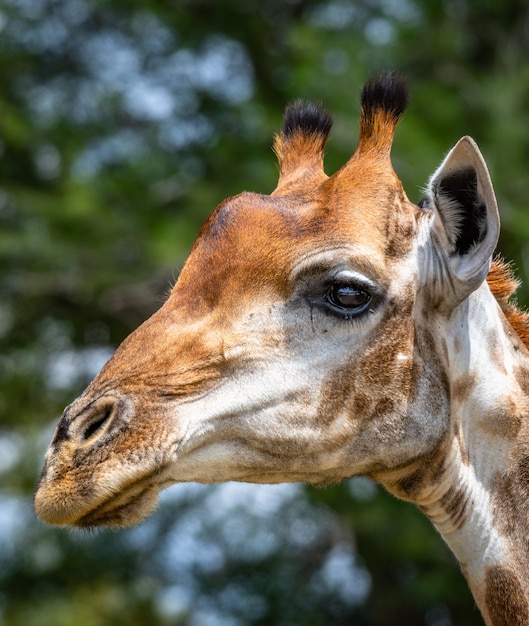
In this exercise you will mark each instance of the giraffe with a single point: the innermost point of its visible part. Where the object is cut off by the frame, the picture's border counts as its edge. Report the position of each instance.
(330, 329)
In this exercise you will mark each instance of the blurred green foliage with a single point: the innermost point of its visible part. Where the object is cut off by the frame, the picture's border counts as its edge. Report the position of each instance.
(122, 125)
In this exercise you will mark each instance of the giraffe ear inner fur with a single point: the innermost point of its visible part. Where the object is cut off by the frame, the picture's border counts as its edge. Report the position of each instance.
(466, 220)
(464, 210)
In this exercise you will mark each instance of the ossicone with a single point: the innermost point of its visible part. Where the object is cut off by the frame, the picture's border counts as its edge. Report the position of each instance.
(384, 100)
(301, 143)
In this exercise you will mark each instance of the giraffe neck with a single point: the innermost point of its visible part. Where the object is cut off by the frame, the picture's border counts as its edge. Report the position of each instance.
(479, 524)
(475, 486)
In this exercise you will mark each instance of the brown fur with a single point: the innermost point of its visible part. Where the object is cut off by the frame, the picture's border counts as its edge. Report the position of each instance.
(505, 598)
(504, 420)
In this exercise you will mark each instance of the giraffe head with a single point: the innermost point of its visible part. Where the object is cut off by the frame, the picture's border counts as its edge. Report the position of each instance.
(295, 345)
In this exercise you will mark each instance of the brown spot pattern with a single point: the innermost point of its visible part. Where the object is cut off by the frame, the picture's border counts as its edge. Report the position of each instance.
(503, 421)
(362, 403)
(510, 504)
(504, 598)
(462, 387)
(522, 378)
(384, 406)
(523, 470)
(503, 504)
(335, 392)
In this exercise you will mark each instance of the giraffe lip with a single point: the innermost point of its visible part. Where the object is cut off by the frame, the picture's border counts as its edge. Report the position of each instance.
(108, 514)
(131, 506)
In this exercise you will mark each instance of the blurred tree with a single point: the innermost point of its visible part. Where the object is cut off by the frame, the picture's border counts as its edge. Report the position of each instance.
(122, 126)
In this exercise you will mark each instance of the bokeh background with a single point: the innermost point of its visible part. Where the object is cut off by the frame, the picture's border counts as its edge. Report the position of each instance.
(122, 125)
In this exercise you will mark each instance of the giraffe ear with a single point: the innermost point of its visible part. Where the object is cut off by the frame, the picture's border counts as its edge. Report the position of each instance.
(466, 222)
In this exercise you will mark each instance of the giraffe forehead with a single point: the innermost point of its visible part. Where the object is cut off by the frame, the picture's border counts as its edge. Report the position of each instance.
(254, 239)
(302, 219)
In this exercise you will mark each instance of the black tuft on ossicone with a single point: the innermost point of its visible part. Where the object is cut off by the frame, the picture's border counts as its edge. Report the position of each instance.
(310, 119)
(387, 92)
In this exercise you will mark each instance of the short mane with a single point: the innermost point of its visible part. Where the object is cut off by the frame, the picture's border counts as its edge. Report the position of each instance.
(503, 284)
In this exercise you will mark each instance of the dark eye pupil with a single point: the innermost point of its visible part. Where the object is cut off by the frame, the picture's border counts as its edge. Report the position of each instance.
(348, 297)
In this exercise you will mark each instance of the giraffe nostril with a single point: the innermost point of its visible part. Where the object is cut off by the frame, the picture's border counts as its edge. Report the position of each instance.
(97, 425)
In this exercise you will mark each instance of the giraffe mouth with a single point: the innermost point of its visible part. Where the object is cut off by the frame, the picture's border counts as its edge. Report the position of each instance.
(132, 505)
(120, 513)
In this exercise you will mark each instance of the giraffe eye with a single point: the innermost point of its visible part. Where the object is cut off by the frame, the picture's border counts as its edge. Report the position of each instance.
(349, 299)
